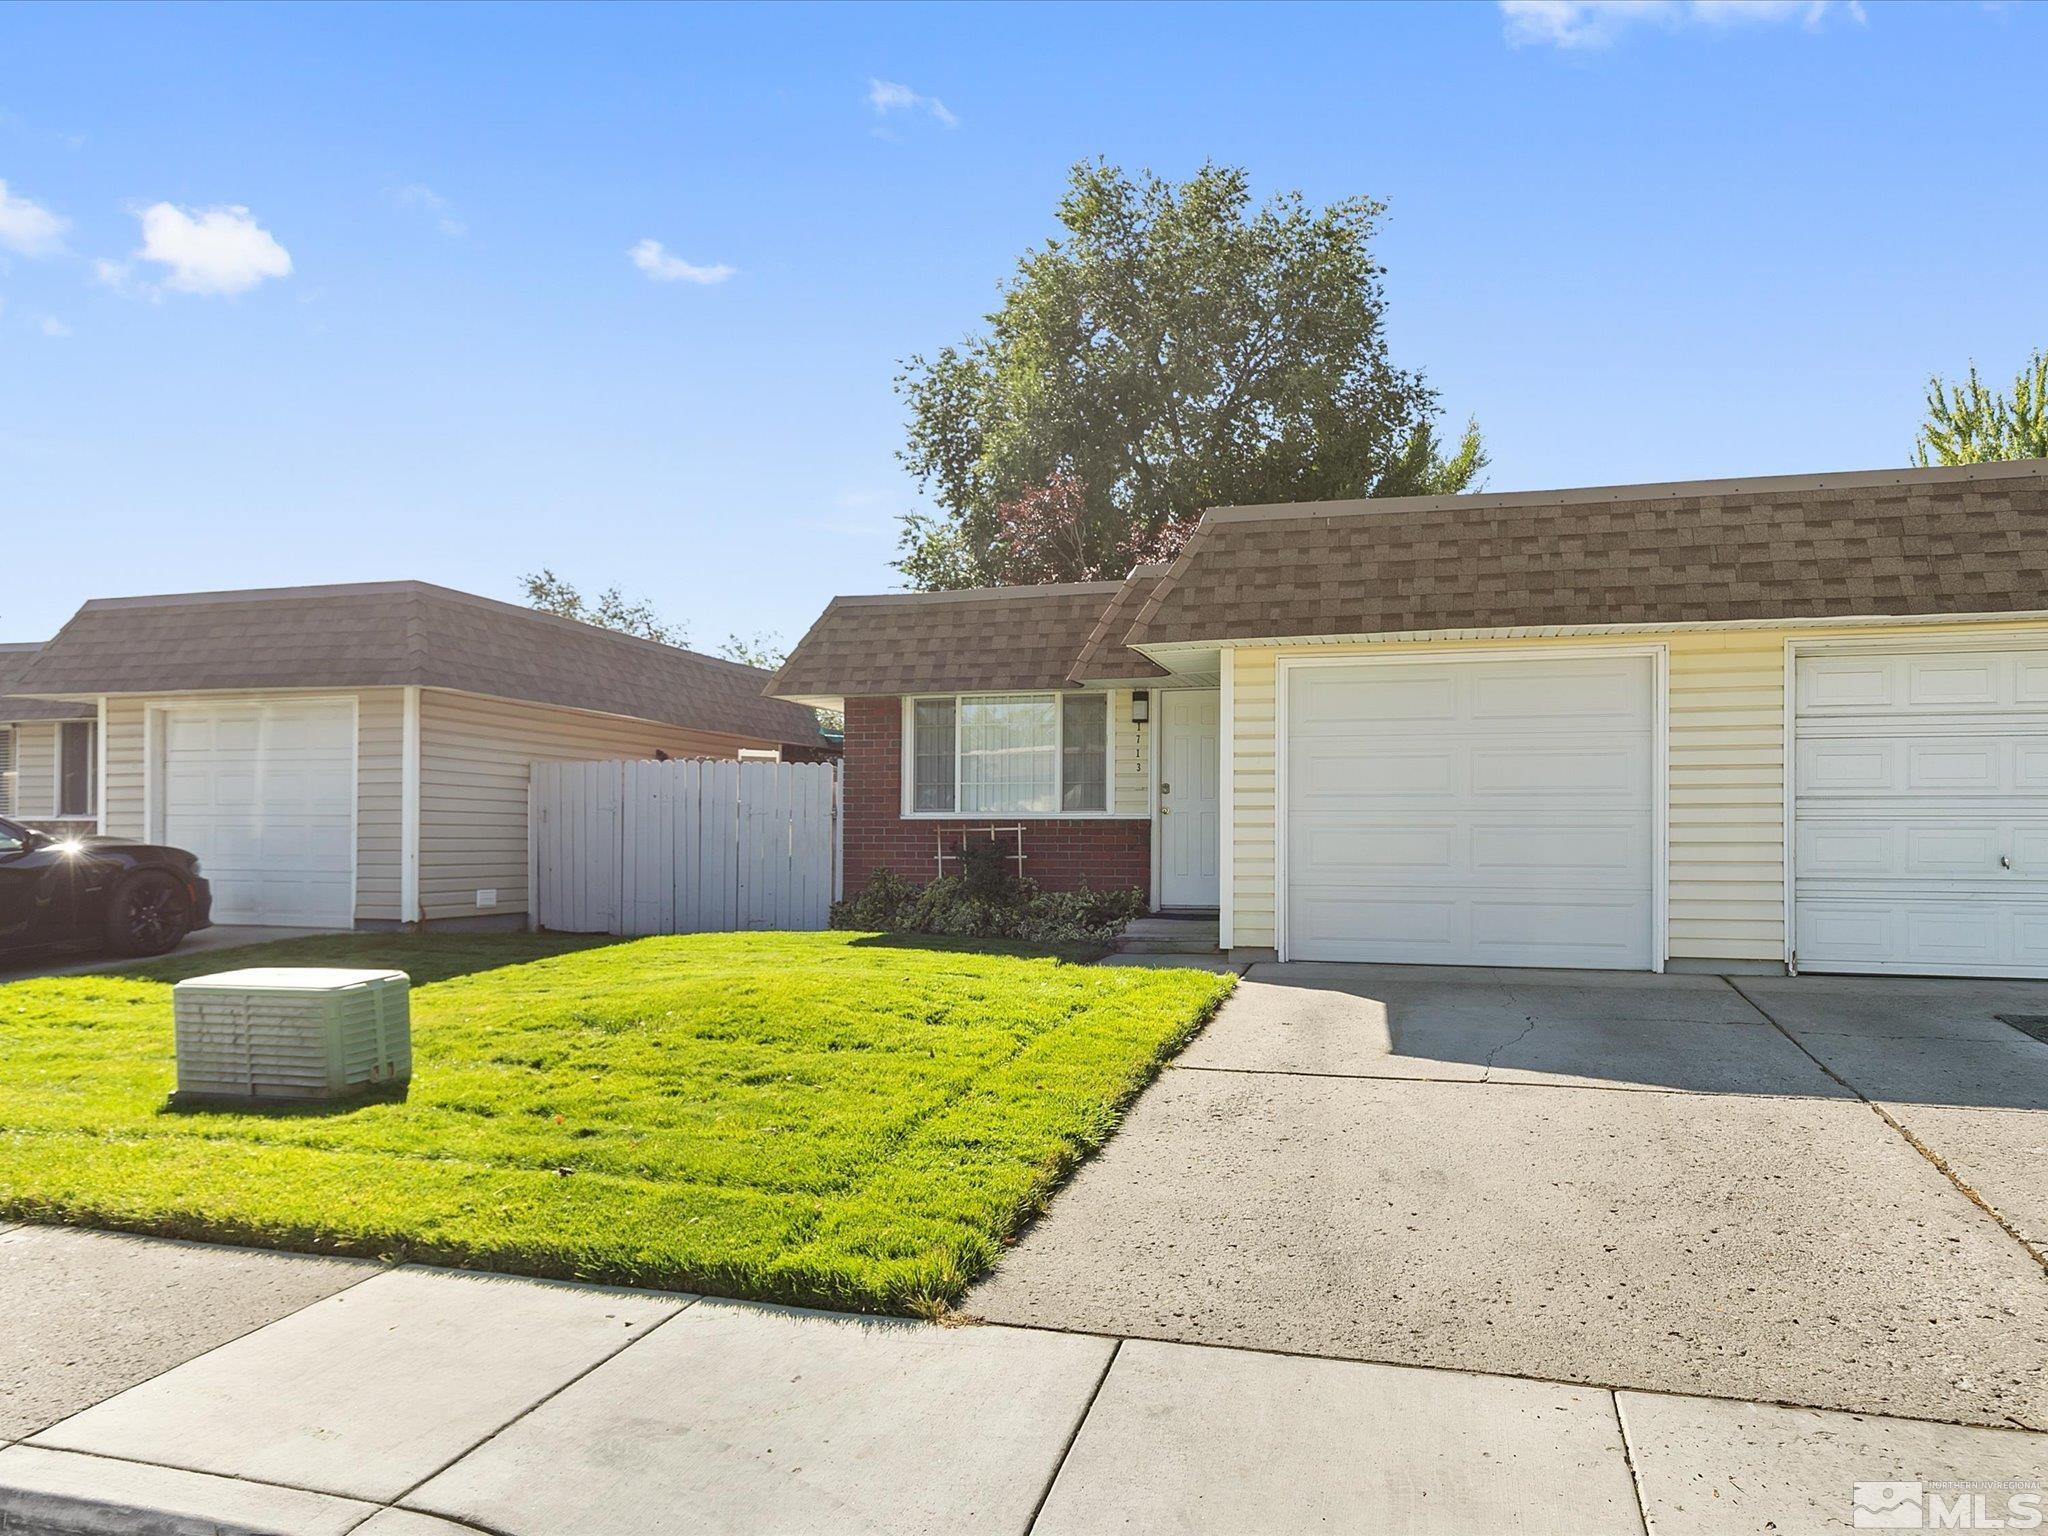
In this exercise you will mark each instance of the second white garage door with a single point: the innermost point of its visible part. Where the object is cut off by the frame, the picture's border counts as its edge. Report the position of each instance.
(1921, 812)
(1497, 812)
(265, 795)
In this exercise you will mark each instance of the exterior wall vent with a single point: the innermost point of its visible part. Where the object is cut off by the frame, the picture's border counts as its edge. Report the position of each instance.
(286, 1034)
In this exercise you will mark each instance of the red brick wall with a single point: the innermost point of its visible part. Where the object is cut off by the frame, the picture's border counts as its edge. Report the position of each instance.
(1060, 855)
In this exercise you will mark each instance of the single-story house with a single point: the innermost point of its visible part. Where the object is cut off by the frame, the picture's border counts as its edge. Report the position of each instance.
(1798, 721)
(358, 755)
(48, 751)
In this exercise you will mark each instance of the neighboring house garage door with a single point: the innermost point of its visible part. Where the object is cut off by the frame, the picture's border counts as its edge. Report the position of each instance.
(1498, 812)
(1920, 812)
(265, 795)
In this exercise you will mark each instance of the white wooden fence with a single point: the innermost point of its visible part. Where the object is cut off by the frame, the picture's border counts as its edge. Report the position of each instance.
(696, 846)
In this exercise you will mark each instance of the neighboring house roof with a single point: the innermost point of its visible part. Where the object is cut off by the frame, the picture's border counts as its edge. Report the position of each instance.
(1908, 542)
(380, 634)
(1105, 658)
(14, 660)
(915, 642)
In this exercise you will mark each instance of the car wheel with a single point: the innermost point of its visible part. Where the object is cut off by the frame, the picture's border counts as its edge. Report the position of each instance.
(149, 914)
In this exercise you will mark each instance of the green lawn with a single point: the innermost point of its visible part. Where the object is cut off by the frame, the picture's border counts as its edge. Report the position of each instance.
(830, 1118)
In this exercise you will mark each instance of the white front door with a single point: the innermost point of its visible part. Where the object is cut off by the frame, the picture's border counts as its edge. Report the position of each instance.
(1920, 812)
(264, 794)
(1494, 812)
(1190, 809)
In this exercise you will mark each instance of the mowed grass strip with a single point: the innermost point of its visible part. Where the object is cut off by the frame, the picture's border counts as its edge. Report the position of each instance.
(836, 1119)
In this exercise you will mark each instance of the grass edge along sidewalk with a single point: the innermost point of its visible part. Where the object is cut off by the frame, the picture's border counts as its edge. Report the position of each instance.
(848, 1120)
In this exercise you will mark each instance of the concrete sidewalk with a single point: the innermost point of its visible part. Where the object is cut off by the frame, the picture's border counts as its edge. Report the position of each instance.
(172, 1388)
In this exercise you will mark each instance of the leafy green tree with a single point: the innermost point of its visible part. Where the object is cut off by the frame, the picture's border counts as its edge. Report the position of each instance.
(1968, 424)
(1174, 349)
(608, 610)
(764, 651)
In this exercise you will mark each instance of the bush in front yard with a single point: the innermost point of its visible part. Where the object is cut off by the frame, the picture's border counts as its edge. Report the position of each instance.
(967, 907)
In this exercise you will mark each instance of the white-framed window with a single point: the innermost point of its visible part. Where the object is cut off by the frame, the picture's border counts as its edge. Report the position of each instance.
(6, 770)
(1006, 754)
(77, 763)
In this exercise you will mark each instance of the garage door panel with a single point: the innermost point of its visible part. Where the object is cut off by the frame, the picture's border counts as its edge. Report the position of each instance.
(1333, 773)
(235, 733)
(1517, 768)
(1926, 683)
(312, 734)
(1603, 854)
(1888, 760)
(1920, 789)
(1951, 682)
(1849, 767)
(1496, 812)
(1560, 927)
(1549, 695)
(2030, 767)
(1346, 852)
(265, 795)
(1353, 925)
(1848, 849)
(1975, 767)
(2030, 936)
(1340, 704)
(1845, 683)
(1848, 931)
(1960, 852)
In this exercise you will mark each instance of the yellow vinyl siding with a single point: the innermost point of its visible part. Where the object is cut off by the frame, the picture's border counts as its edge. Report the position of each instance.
(1727, 795)
(475, 757)
(378, 717)
(123, 756)
(1253, 791)
(35, 769)
(1131, 749)
(1727, 773)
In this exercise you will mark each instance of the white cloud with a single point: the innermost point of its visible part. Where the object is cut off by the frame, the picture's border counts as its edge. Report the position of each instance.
(886, 96)
(653, 258)
(52, 326)
(206, 250)
(28, 228)
(117, 275)
(1597, 23)
(425, 199)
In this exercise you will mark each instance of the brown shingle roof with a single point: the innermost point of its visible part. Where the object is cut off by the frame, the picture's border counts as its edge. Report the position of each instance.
(1886, 543)
(388, 633)
(913, 642)
(14, 660)
(1105, 658)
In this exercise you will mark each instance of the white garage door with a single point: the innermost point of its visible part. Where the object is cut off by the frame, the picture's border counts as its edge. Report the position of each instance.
(1920, 812)
(1473, 813)
(265, 795)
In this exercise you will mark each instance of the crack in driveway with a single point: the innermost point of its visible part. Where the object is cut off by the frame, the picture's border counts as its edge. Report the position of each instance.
(1528, 1029)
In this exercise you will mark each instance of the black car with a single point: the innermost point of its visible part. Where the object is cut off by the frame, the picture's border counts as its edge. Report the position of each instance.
(96, 892)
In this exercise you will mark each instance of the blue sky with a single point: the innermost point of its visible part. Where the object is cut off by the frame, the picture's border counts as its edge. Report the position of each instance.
(304, 294)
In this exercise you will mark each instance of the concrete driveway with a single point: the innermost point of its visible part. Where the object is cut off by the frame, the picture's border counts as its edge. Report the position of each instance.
(1825, 1192)
(226, 936)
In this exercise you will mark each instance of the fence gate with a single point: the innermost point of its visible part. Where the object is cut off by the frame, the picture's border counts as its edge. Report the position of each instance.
(697, 846)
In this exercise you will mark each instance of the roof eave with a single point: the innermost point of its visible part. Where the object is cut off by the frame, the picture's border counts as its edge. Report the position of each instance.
(1160, 650)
